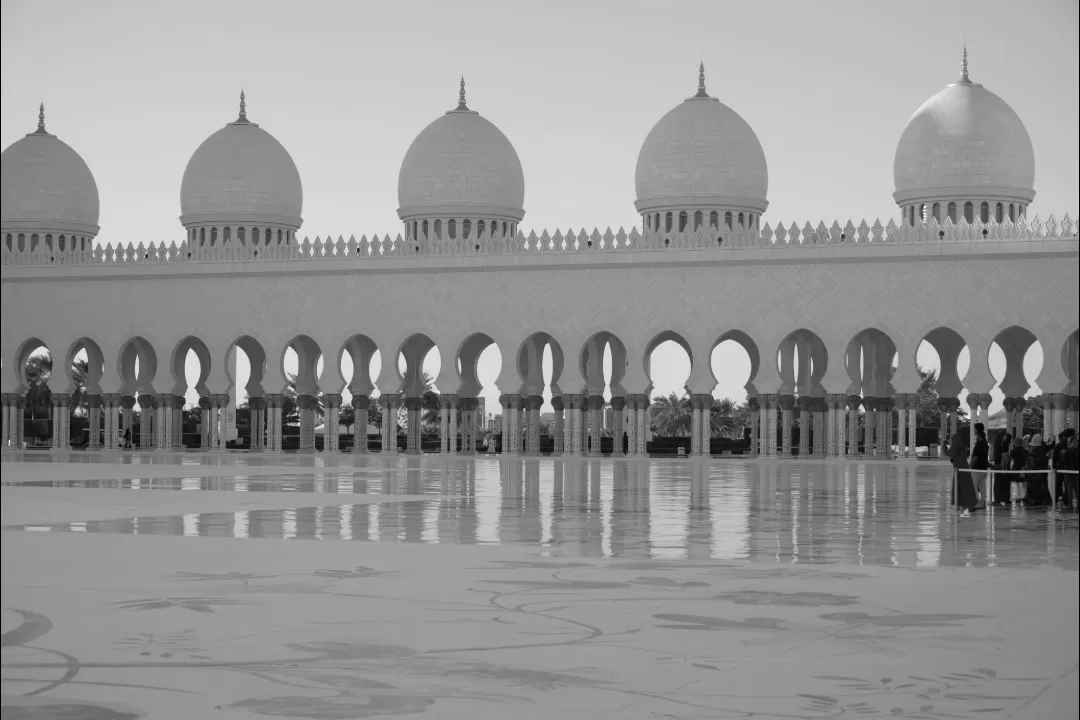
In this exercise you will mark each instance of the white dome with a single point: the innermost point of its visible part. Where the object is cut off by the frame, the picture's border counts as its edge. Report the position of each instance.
(701, 153)
(241, 173)
(461, 164)
(965, 141)
(47, 187)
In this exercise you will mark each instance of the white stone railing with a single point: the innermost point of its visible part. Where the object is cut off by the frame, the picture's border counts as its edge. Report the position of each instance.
(782, 239)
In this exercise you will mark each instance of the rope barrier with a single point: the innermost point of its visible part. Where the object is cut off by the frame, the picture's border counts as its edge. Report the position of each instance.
(988, 491)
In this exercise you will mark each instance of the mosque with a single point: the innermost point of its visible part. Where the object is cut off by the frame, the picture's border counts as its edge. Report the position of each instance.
(830, 315)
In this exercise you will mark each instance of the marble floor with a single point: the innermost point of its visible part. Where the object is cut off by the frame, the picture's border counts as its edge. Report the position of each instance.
(290, 586)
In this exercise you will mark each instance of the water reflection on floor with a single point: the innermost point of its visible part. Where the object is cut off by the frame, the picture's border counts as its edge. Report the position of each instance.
(887, 514)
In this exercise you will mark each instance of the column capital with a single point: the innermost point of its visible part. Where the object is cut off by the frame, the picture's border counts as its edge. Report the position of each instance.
(594, 402)
(204, 402)
(534, 402)
(449, 402)
(973, 401)
(702, 401)
(388, 401)
(361, 402)
(332, 400)
(305, 402)
(127, 402)
(256, 403)
(275, 400)
(753, 404)
(414, 403)
(805, 403)
(618, 404)
(787, 402)
(146, 401)
(61, 399)
(557, 403)
(854, 401)
(518, 402)
(469, 404)
(574, 402)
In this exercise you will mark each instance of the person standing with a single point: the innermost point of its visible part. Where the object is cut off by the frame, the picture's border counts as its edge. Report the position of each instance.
(1018, 461)
(1037, 492)
(1071, 461)
(964, 497)
(980, 461)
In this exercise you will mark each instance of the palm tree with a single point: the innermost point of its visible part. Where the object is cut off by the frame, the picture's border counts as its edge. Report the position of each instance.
(38, 395)
(672, 416)
(79, 371)
(290, 410)
(723, 421)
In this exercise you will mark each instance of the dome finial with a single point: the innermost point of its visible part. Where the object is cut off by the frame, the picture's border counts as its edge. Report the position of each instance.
(701, 81)
(243, 107)
(964, 65)
(461, 96)
(41, 118)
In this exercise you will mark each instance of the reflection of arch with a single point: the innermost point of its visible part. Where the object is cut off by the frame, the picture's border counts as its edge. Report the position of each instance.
(307, 363)
(747, 344)
(1070, 363)
(869, 359)
(137, 348)
(530, 359)
(948, 344)
(1014, 342)
(179, 362)
(362, 350)
(591, 363)
(256, 356)
(803, 360)
(95, 365)
(414, 349)
(22, 355)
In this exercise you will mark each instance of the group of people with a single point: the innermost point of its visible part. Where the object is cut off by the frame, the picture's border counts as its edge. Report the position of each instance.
(1029, 454)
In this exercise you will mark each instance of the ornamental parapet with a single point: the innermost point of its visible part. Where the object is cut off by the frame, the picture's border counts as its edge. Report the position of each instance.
(729, 243)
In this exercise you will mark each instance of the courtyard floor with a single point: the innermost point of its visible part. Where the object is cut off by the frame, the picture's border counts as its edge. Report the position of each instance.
(250, 586)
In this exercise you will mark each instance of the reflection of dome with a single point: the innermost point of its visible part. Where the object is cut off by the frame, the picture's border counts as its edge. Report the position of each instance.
(461, 165)
(47, 188)
(964, 144)
(241, 174)
(701, 156)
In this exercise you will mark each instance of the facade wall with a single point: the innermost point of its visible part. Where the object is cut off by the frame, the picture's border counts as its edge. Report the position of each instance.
(701, 296)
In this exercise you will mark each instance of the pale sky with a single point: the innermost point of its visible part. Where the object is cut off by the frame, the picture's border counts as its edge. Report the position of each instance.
(828, 87)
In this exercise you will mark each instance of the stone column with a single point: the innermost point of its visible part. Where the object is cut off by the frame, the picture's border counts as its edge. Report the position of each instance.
(62, 421)
(506, 405)
(204, 423)
(1061, 414)
(111, 407)
(414, 408)
(146, 422)
(20, 421)
(901, 426)
(444, 425)
(274, 404)
(331, 439)
(841, 425)
(361, 407)
(803, 404)
(469, 408)
(886, 425)
(954, 416)
(127, 403)
(787, 403)
(853, 424)
(830, 425)
(632, 426)
(306, 405)
(818, 410)
(595, 404)
(1014, 409)
(573, 424)
(700, 428)
(532, 425)
(944, 405)
(5, 403)
(220, 408)
(560, 425)
(973, 408)
(1048, 416)
(618, 412)
(93, 417)
(389, 404)
(754, 407)
(913, 423)
(870, 405)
